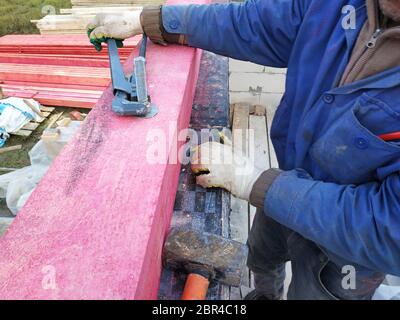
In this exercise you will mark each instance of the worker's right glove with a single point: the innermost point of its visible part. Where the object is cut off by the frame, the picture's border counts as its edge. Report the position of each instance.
(115, 26)
(220, 166)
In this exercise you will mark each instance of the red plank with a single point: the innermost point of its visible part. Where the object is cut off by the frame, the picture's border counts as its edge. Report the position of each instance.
(54, 74)
(55, 97)
(55, 91)
(72, 40)
(51, 60)
(99, 233)
(56, 44)
(53, 100)
(38, 85)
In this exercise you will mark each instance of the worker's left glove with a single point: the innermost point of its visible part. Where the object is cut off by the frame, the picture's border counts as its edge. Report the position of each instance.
(115, 26)
(219, 166)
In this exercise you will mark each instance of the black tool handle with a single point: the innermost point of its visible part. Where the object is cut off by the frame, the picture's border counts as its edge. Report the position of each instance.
(143, 46)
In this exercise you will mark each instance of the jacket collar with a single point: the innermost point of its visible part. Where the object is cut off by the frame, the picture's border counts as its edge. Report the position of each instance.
(387, 79)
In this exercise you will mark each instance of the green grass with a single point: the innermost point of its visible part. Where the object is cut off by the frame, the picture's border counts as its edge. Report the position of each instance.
(15, 15)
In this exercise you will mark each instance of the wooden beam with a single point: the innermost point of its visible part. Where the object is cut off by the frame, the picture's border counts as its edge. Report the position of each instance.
(9, 149)
(54, 74)
(239, 218)
(99, 233)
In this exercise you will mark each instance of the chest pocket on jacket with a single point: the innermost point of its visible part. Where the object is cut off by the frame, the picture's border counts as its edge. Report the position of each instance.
(351, 152)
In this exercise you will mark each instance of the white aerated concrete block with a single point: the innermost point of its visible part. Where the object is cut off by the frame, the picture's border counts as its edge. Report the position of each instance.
(270, 99)
(245, 97)
(244, 66)
(258, 82)
(275, 70)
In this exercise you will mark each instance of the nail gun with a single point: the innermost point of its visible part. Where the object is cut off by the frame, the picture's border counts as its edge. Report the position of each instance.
(131, 96)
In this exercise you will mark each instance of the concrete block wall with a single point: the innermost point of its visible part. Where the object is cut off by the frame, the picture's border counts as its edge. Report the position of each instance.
(255, 84)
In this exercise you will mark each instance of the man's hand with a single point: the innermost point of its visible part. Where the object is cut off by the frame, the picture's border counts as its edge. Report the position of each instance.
(219, 166)
(115, 26)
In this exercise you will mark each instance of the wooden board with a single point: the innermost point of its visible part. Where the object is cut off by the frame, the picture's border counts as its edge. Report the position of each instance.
(72, 45)
(251, 121)
(30, 127)
(260, 150)
(54, 74)
(239, 219)
(273, 159)
(96, 10)
(99, 233)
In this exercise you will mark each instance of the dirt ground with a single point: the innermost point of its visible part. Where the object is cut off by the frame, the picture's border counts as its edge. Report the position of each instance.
(20, 158)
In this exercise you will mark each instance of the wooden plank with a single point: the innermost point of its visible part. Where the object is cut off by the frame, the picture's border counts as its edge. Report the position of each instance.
(54, 86)
(9, 149)
(96, 10)
(259, 148)
(47, 109)
(57, 61)
(31, 126)
(239, 222)
(22, 133)
(8, 169)
(270, 116)
(54, 74)
(54, 118)
(99, 233)
(46, 114)
(62, 98)
(71, 45)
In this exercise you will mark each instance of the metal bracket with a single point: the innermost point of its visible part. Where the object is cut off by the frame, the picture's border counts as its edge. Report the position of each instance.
(131, 94)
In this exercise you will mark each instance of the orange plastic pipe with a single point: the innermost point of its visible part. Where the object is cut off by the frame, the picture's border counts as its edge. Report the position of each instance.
(196, 287)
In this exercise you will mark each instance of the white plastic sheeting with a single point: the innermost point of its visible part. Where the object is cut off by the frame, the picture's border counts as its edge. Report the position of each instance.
(14, 114)
(16, 187)
(390, 290)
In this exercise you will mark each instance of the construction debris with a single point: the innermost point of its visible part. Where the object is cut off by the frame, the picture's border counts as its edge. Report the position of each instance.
(64, 122)
(76, 115)
(17, 186)
(14, 115)
(51, 134)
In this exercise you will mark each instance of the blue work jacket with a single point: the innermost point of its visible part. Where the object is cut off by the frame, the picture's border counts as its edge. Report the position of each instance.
(341, 183)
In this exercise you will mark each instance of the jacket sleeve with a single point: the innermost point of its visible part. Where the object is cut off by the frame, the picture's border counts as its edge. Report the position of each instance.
(257, 30)
(360, 223)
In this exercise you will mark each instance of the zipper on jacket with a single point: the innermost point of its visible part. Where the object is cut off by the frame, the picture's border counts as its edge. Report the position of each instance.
(372, 41)
(382, 31)
(380, 23)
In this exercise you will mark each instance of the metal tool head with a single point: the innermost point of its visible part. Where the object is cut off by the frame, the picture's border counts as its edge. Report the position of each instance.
(131, 94)
(222, 259)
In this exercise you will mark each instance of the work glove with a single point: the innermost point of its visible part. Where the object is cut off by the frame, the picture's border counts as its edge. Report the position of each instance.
(115, 26)
(218, 165)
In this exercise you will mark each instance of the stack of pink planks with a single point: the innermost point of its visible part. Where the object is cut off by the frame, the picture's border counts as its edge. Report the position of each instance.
(94, 227)
(56, 70)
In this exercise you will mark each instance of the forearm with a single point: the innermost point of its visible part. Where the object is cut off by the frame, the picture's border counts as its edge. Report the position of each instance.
(258, 31)
(359, 223)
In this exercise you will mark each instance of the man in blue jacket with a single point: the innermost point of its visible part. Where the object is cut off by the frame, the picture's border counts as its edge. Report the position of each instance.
(333, 207)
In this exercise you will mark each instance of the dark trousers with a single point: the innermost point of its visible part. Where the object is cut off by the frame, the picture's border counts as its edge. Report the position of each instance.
(314, 275)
